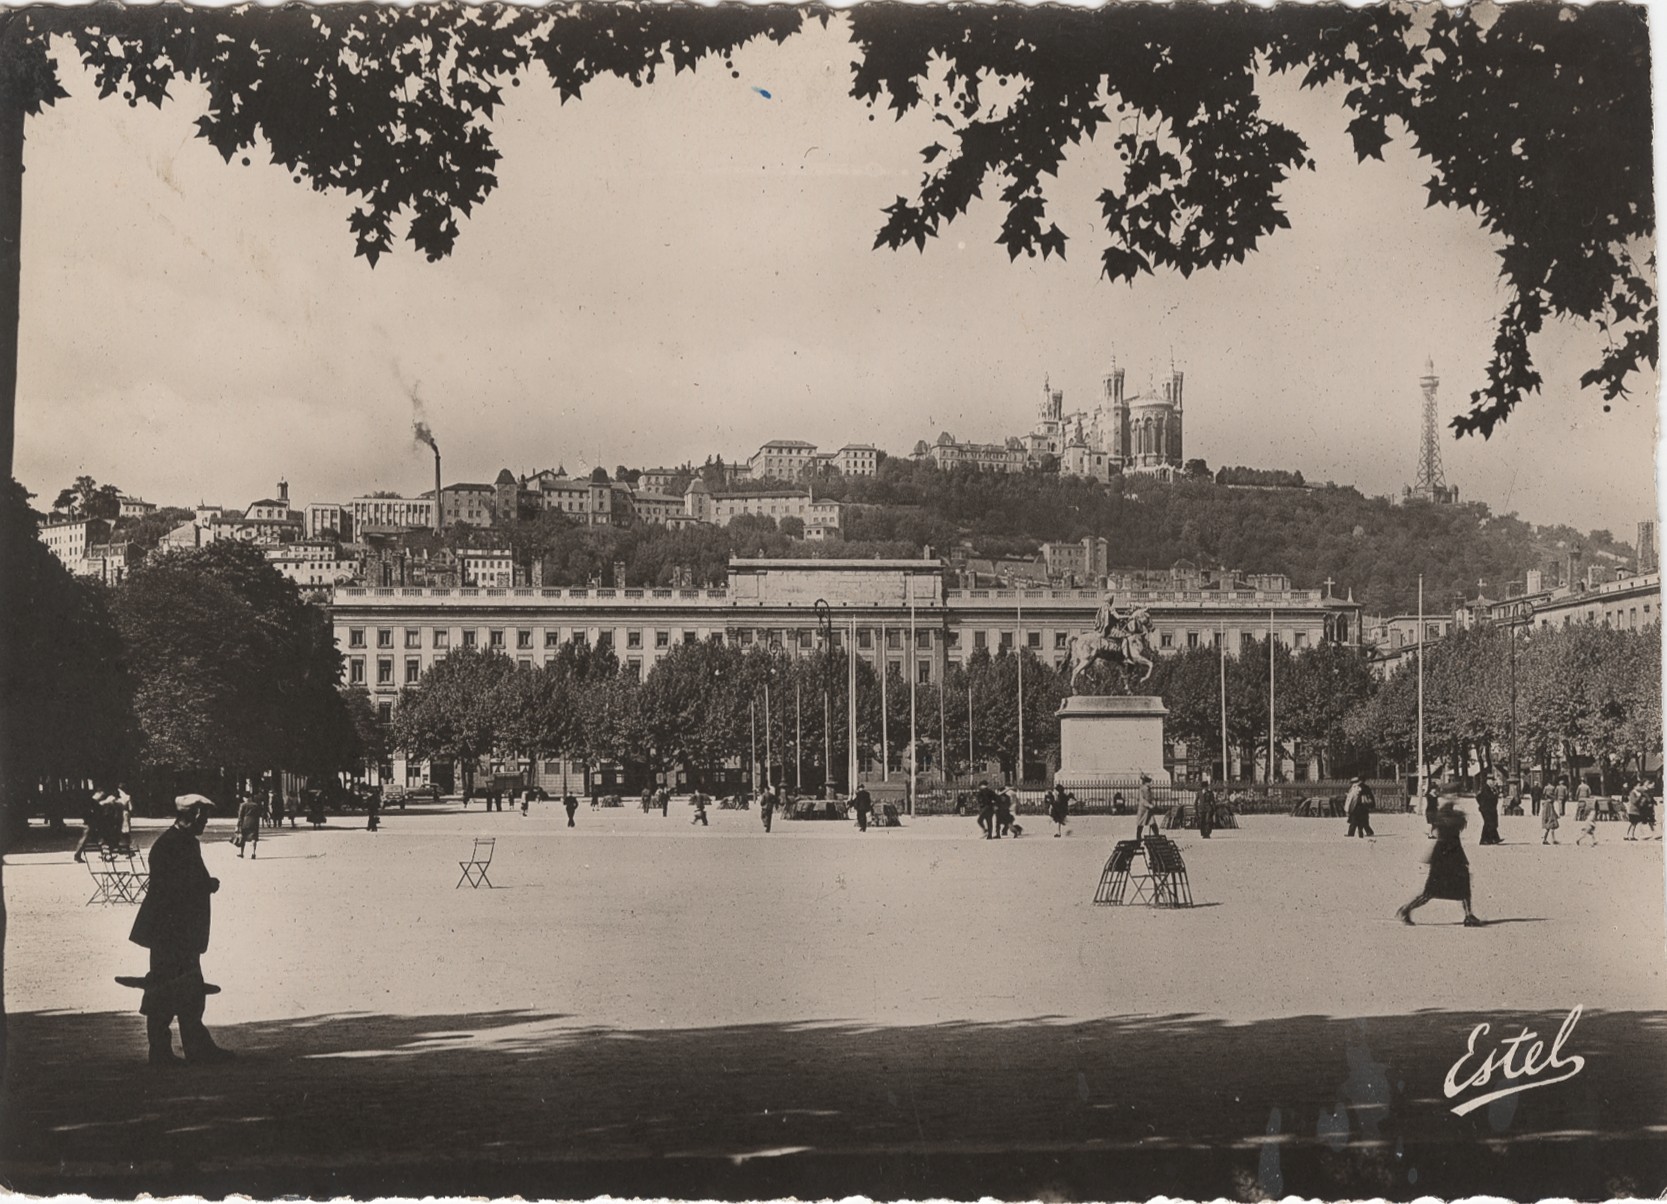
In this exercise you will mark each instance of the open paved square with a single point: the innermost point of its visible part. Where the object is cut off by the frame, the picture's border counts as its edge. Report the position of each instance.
(639, 1004)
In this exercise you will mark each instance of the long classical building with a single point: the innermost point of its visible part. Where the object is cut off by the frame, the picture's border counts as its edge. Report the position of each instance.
(389, 636)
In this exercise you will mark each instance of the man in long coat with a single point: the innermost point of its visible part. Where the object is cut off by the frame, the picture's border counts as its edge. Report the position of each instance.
(173, 924)
(1487, 802)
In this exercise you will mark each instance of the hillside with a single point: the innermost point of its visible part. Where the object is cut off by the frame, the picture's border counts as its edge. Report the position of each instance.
(1369, 545)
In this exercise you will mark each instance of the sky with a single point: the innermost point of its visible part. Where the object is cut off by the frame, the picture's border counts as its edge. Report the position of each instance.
(686, 269)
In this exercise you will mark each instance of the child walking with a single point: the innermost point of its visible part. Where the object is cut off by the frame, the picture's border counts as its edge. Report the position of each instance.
(1548, 822)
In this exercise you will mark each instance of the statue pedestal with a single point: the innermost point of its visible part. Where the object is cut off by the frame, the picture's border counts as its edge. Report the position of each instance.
(1110, 740)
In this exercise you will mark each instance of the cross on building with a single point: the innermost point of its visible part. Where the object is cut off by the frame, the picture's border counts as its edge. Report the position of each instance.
(1328, 583)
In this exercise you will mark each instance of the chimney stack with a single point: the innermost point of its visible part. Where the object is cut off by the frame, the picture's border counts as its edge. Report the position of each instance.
(438, 519)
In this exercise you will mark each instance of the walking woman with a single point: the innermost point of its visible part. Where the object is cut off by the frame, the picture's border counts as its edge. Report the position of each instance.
(1548, 823)
(250, 812)
(1449, 876)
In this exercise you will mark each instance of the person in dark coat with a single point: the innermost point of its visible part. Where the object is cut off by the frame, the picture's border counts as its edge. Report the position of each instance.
(1432, 806)
(1487, 802)
(1004, 812)
(863, 805)
(1059, 809)
(1357, 804)
(766, 808)
(373, 812)
(1449, 876)
(173, 923)
(571, 805)
(250, 812)
(986, 810)
(1206, 803)
(699, 800)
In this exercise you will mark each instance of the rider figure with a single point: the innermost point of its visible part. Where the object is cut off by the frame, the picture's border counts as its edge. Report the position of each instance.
(1111, 623)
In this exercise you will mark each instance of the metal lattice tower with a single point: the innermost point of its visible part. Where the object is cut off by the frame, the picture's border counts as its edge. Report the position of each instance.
(1431, 483)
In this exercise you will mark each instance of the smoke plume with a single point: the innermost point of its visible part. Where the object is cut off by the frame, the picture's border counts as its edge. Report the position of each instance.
(419, 421)
(421, 433)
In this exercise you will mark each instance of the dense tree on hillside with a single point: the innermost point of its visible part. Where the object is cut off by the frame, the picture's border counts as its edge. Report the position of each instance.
(148, 530)
(86, 498)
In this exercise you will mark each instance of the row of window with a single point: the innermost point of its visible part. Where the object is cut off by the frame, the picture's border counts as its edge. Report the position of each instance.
(894, 638)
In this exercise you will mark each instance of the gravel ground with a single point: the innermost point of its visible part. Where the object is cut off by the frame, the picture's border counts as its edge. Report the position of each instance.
(640, 1004)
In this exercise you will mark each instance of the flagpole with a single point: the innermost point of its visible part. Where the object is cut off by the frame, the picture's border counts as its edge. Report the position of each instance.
(769, 771)
(1422, 784)
(752, 717)
(1272, 762)
(851, 663)
(914, 744)
(943, 723)
(885, 730)
(1019, 769)
(1221, 657)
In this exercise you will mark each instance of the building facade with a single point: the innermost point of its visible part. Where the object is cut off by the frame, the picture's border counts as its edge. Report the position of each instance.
(857, 460)
(782, 460)
(949, 453)
(69, 539)
(392, 513)
(899, 612)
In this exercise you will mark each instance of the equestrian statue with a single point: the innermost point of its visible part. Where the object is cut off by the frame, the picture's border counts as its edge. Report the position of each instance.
(1119, 637)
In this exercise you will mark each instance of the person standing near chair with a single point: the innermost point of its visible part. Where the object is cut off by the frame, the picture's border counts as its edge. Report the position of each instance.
(1144, 813)
(1206, 804)
(1487, 802)
(173, 923)
(92, 820)
(1449, 875)
(250, 812)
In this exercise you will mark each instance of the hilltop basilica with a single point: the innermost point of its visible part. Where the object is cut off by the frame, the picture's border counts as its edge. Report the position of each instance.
(1138, 433)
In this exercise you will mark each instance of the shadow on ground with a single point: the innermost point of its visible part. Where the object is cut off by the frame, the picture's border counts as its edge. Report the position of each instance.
(531, 1103)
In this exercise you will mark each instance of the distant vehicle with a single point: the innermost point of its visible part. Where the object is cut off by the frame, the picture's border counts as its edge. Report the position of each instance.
(538, 793)
(426, 790)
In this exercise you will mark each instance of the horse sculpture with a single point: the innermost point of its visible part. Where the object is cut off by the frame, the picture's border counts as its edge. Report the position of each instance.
(1129, 649)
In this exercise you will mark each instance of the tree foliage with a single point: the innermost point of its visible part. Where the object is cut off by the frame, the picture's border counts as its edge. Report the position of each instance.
(1534, 117)
(65, 695)
(231, 668)
(1585, 693)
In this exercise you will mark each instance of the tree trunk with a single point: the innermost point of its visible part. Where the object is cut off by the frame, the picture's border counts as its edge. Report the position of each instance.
(11, 231)
(11, 227)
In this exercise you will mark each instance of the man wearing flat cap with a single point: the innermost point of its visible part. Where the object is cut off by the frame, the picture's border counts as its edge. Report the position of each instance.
(173, 924)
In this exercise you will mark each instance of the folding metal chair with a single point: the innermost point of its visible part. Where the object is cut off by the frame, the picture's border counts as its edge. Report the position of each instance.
(119, 875)
(106, 880)
(474, 869)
